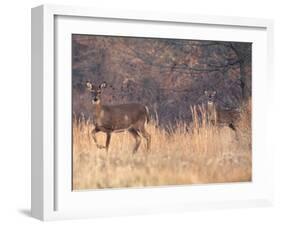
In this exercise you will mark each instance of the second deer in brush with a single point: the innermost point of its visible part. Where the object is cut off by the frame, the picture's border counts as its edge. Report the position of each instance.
(219, 116)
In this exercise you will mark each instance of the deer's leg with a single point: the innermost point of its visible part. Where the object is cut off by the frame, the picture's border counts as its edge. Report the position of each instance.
(94, 131)
(231, 126)
(108, 136)
(234, 128)
(137, 138)
(147, 136)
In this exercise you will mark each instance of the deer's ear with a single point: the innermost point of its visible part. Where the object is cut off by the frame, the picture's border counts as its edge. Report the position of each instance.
(89, 85)
(103, 85)
(214, 93)
(206, 92)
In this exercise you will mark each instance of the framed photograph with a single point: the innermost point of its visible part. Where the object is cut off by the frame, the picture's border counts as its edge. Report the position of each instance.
(138, 112)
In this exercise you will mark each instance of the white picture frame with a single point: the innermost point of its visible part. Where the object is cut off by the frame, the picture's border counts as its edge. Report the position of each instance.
(51, 193)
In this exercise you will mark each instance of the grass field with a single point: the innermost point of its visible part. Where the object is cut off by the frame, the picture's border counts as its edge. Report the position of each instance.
(202, 154)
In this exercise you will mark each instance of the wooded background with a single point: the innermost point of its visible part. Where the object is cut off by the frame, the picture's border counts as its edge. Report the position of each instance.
(167, 75)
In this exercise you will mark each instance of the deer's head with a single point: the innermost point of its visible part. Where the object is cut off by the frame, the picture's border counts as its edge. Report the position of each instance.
(211, 95)
(95, 91)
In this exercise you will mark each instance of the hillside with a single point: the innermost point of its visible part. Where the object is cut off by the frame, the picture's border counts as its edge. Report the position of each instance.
(168, 75)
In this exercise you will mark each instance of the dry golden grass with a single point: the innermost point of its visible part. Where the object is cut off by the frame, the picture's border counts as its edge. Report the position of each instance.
(203, 154)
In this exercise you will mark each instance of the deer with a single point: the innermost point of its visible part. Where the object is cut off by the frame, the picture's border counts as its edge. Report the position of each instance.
(219, 116)
(131, 117)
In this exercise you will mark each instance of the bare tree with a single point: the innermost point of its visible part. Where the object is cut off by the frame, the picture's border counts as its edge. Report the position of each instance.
(243, 52)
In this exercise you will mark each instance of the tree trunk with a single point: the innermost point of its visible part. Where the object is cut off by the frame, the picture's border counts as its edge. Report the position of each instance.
(245, 81)
(244, 56)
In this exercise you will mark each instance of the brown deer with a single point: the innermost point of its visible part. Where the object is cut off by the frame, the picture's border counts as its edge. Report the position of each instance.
(219, 116)
(130, 117)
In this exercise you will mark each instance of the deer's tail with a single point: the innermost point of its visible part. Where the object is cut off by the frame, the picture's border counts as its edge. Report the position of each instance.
(147, 114)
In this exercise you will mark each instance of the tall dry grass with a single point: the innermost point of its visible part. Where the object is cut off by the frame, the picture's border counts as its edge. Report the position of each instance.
(203, 153)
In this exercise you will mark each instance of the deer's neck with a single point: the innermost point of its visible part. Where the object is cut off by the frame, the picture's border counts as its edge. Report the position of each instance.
(211, 108)
(97, 110)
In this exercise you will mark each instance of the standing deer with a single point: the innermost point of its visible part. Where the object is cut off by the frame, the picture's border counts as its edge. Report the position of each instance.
(219, 116)
(118, 118)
